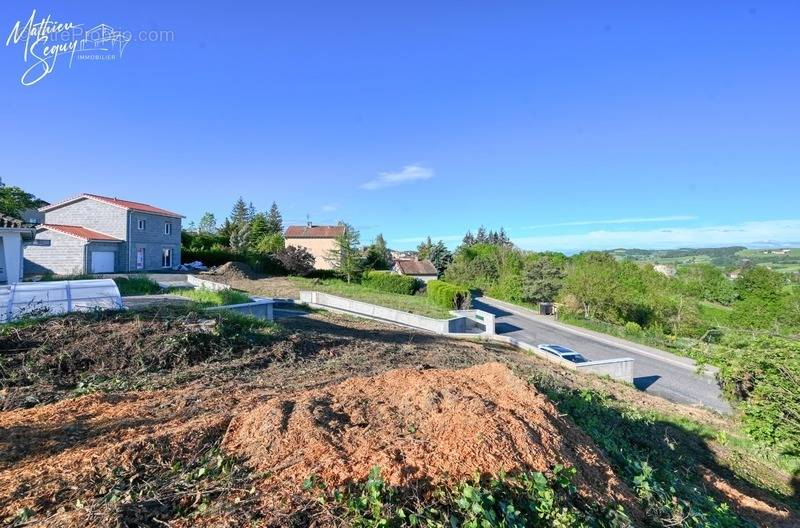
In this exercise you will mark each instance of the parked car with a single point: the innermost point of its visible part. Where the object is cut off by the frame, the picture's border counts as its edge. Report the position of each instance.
(563, 352)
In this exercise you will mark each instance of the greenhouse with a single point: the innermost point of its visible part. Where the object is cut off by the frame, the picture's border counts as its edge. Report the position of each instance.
(39, 299)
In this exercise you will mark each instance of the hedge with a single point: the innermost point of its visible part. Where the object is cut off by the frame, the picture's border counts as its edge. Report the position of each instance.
(449, 295)
(265, 263)
(390, 282)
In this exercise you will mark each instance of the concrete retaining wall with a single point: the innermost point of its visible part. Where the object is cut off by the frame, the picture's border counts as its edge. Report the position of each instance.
(466, 320)
(439, 326)
(478, 320)
(620, 369)
(207, 284)
(261, 308)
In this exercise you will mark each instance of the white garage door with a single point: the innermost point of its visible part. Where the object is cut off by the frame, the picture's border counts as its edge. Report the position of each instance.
(103, 261)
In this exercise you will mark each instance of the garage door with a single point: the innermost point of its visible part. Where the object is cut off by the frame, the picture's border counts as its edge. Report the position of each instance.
(103, 261)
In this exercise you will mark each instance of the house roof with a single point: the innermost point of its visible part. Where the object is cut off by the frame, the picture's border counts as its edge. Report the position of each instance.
(10, 221)
(125, 204)
(314, 231)
(416, 267)
(80, 232)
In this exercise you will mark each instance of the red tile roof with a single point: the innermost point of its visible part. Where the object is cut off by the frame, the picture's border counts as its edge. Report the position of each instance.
(80, 232)
(416, 267)
(125, 204)
(314, 231)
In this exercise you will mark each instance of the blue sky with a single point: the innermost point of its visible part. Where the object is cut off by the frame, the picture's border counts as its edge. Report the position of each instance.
(572, 124)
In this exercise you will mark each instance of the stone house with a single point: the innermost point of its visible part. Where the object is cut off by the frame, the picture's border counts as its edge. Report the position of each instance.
(89, 233)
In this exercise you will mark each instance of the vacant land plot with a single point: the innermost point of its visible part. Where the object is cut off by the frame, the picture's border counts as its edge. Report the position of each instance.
(126, 419)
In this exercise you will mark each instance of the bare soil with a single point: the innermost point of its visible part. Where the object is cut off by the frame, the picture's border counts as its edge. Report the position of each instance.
(231, 271)
(132, 449)
(420, 427)
(280, 287)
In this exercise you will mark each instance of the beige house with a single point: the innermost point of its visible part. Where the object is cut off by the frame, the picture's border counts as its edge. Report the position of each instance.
(317, 240)
(423, 270)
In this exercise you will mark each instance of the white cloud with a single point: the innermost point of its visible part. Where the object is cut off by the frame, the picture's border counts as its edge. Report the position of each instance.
(329, 208)
(646, 220)
(408, 174)
(762, 233)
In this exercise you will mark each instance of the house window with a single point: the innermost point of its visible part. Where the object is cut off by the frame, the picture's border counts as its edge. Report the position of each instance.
(166, 258)
(140, 225)
(167, 228)
(139, 258)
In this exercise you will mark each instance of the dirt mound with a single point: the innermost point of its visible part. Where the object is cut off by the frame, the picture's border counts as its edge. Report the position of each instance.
(82, 449)
(233, 271)
(420, 427)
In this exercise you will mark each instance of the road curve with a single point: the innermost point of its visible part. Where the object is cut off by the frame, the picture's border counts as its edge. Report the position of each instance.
(656, 372)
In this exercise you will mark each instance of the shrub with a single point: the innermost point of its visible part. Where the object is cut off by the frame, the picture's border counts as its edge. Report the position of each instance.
(296, 260)
(390, 282)
(449, 295)
(265, 263)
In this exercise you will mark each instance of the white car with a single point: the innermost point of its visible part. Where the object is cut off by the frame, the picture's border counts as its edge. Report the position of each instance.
(563, 352)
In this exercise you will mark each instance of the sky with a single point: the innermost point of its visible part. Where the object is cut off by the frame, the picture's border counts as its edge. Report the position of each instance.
(573, 125)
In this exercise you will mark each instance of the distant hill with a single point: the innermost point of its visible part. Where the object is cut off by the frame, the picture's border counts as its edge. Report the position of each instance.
(779, 259)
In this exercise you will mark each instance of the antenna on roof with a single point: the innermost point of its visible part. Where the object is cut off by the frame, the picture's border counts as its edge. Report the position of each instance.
(308, 220)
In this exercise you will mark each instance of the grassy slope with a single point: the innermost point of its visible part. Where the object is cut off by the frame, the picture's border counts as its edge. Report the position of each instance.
(418, 304)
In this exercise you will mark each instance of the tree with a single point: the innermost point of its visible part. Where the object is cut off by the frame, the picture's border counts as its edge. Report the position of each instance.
(378, 256)
(469, 239)
(424, 249)
(593, 282)
(270, 243)
(761, 298)
(481, 237)
(240, 214)
(14, 201)
(251, 212)
(345, 257)
(274, 220)
(208, 224)
(542, 280)
(440, 256)
(296, 260)
(258, 229)
(240, 237)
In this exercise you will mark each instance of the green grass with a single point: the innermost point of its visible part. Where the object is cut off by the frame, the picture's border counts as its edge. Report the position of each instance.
(417, 304)
(136, 286)
(206, 298)
(677, 345)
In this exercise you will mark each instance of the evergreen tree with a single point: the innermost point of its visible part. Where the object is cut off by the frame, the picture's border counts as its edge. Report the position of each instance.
(240, 237)
(469, 239)
(345, 257)
(440, 256)
(274, 220)
(424, 249)
(481, 237)
(258, 229)
(251, 212)
(378, 256)
(240, 214)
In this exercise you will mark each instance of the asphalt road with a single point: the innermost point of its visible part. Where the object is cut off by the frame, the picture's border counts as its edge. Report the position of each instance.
(655, 372)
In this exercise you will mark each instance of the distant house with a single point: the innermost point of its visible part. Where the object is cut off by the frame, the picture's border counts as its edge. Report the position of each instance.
(318, 240)
(14, 235)
(665, 269)
(733, 275)
(423, 270)
(90, 233)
